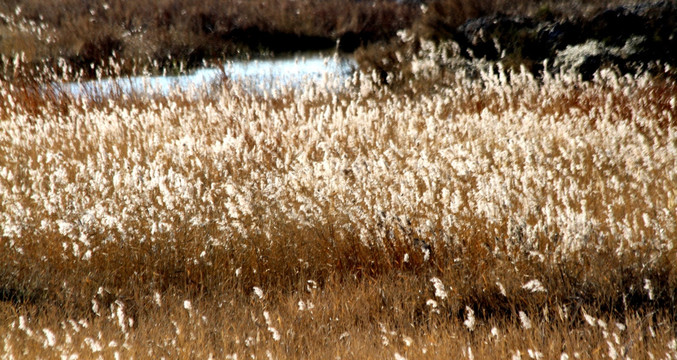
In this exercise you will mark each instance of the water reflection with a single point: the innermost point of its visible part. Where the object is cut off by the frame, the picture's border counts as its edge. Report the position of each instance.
(256, 75)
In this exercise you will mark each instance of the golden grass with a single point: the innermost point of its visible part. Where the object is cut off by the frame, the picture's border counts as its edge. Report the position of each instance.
(497, 217)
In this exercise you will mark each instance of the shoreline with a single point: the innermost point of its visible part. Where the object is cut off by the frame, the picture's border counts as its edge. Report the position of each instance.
(108, 36)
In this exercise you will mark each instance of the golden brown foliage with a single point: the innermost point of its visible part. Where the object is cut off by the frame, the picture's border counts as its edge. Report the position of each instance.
(496, 217)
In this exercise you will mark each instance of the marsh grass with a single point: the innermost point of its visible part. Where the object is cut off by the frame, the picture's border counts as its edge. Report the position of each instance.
(500, 216)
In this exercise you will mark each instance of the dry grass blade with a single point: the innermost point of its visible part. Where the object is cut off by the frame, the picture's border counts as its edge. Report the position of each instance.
(498, 216)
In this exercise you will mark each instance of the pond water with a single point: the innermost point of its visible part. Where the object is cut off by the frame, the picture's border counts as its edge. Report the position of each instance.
(256, 75)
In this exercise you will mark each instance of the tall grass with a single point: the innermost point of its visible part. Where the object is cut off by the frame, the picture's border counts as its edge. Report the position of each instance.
(500, 216)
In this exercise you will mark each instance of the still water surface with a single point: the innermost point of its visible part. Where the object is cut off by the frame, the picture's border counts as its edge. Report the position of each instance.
(257, 75)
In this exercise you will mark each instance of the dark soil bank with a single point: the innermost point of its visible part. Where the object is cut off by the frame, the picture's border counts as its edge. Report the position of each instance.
(629, 38)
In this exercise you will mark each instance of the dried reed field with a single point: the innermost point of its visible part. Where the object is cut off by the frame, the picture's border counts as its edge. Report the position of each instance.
(495, 217)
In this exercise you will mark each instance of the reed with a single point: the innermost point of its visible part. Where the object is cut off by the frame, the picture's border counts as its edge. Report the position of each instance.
(501, 216)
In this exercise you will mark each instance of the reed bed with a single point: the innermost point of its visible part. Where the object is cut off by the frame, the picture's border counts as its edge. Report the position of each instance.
(495, 217)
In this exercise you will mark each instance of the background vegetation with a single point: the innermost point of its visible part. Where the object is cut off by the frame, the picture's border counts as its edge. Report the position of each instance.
(165, 33)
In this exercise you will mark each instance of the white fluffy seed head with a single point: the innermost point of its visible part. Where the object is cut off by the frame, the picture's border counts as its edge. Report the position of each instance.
(470, 318)
(440, 292)
(524, 319)
(258, 292)
(534, 286)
